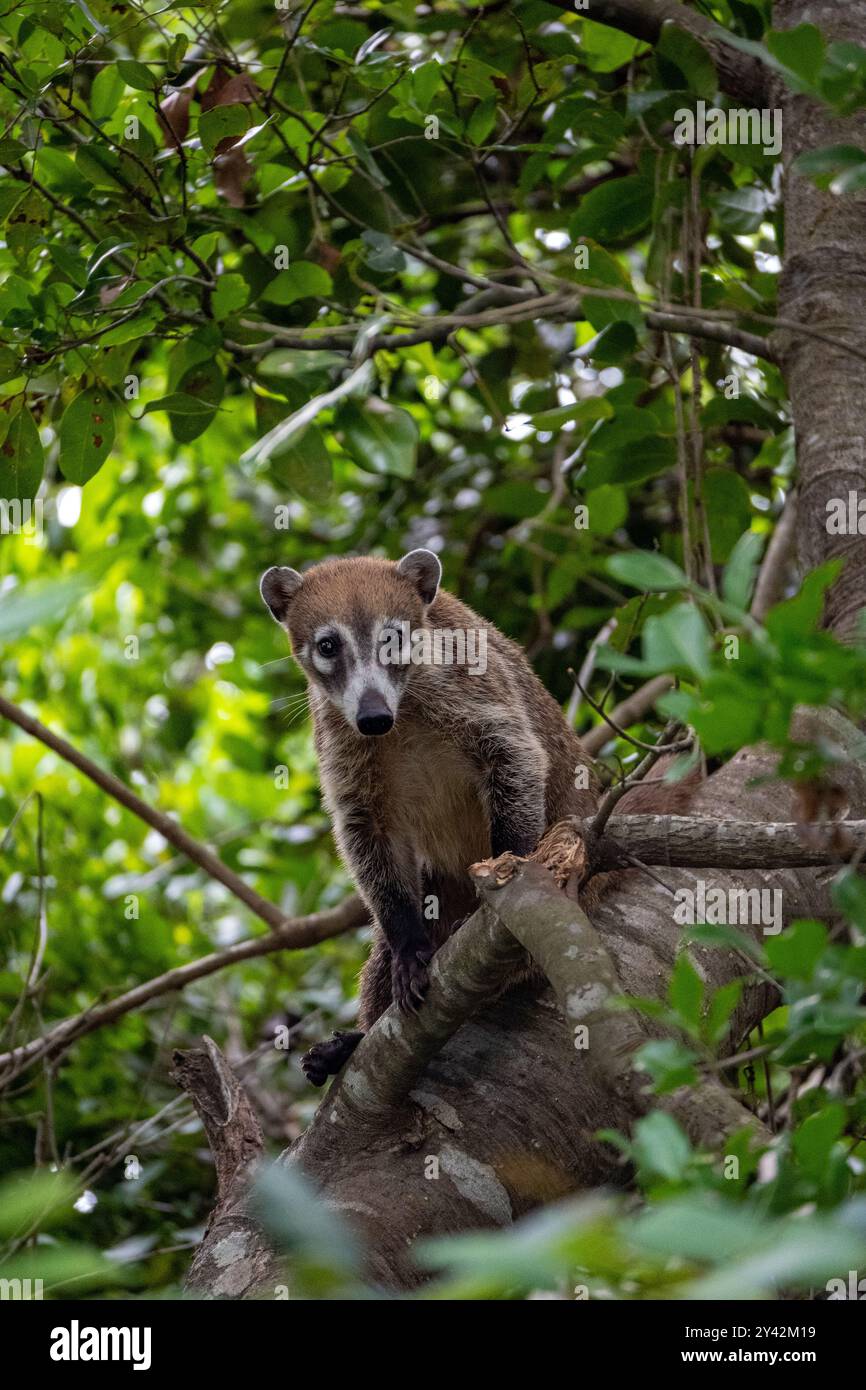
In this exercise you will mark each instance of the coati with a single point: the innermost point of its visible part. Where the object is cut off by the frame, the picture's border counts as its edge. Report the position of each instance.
(425, 768)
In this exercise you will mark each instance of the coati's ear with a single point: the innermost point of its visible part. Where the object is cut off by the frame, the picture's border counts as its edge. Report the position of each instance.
(423, 570)
(278, 587)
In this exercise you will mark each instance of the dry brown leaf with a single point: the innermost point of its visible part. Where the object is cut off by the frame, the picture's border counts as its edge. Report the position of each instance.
(109, 293)
(174, 113)
(232, 173)
(225, 89)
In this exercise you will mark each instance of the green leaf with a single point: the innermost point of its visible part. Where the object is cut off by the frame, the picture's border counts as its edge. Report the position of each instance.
(849, 894)
(738, 580)
(698, 1227)
(426, 81)
(382, 254)
(800, 49)
(741, 211)
(686, 993)
(605, 48)
(37, 1199)
(595, 408)
(616, 455)
(11, 151)
(86, 435)
(99, 166)
(829, 159)
(679, 47)
(10, 366)
(608, 509)
(615, 343)
(286, 1203)
(303, 280)
(374, 170)
(669, 1063)
(678, 640)
(21, 458)
(728, 505)
(517, 499)
(661, 1147)
(105, 92)
(644, 569)
(795, 953)
(231, 294)
(304, 464)
(136, 75)
(723, 1002)
(814, 1140)
(38, 604)
(221, 123)
(841, 168)
(482, 121)
(614, 211)
(205, 382)
(379, 436)
(179, 403)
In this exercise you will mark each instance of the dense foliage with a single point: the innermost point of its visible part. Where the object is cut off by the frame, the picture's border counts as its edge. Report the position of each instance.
(212, 215)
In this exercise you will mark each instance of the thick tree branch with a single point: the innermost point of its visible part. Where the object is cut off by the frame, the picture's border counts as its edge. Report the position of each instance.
(559, 936)
(233, 1257)
(231, 1125)
(689, 842)
(560, 305)
(466, 973)
(381, 1094)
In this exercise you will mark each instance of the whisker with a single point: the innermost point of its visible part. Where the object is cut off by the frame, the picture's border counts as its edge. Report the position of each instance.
(286, 701)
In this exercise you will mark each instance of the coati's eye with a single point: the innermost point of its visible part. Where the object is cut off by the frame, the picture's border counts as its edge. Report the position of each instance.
(327, 647)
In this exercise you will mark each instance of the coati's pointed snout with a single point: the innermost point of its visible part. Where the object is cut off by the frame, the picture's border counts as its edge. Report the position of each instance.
(373, 717)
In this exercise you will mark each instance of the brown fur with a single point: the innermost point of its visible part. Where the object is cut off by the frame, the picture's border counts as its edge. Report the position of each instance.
(476, 764)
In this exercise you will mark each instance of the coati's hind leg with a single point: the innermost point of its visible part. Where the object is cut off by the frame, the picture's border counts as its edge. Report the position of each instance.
(454, 900)
(326, 1058)
(376, 987)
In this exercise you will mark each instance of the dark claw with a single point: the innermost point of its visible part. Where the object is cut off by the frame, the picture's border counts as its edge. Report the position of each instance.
(409, 978)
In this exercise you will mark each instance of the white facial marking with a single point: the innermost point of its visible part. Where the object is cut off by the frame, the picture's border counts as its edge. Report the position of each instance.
(363, 675)
(366, 675)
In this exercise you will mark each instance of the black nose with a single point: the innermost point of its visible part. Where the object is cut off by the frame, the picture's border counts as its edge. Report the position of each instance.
(374, 716)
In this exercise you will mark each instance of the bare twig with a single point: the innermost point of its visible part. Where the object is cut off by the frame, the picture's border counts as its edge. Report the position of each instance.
(615, 794)
(628, 711)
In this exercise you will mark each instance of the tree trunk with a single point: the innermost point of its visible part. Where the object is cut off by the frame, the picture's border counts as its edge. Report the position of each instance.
(824, 284)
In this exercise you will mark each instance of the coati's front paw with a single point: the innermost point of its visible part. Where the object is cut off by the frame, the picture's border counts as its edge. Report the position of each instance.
(409, 976)
(326, 1058)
